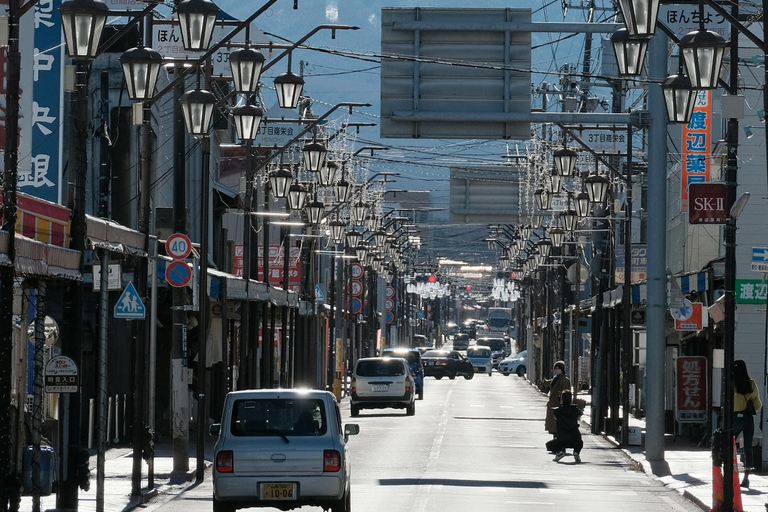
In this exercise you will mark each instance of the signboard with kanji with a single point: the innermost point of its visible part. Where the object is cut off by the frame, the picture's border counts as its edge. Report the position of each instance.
(691, 389)
(61, 375)
(639, 263)
(697, 145)
(276, 266)
(751, 291)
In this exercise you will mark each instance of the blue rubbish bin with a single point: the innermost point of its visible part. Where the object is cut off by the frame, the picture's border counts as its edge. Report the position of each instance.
(47, 470)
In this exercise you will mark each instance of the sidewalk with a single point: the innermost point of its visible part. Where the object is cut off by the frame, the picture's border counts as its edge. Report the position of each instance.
(687, 468)
(118, 468)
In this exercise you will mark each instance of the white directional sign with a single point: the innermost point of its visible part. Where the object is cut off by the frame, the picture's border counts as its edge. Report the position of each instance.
(129, 305)
(760, 259)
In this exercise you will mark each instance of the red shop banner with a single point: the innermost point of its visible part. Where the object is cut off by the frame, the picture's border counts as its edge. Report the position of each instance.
(691, 389)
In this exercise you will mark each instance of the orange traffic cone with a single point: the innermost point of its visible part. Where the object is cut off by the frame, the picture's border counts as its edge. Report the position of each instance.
(717, 488)
(737, 505)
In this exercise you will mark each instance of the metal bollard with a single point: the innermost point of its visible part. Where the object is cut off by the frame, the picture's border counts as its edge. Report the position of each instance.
(90, 423)
(109, 419)
(117, 415)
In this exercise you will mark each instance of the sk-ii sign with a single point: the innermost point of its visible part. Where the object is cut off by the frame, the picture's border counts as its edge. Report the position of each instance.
(706, 203)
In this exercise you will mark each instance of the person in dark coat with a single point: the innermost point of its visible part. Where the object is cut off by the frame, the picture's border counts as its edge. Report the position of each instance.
(559, 383)
(568, 435)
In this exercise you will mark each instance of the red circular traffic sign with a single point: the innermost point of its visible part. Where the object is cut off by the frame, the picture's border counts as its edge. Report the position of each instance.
(390, 292)
(356, 288)
(178, 274)
(357, 271)
(178, 246)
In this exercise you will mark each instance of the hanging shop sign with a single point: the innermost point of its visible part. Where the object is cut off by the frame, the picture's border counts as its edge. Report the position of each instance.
(691, 389)
(697, 145)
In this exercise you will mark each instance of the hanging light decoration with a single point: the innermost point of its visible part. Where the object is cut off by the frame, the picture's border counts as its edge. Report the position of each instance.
(353, 238)
(360, 251)
(703, 52)
(630, 52)
(327, 174)
(337, 231)
(569, 218)
(544, 247)
(557, 235)
(358, 212)
(555, 182)
(344, 190)
(543, 198)
(380, 237)
(679, 98)
(640, 16)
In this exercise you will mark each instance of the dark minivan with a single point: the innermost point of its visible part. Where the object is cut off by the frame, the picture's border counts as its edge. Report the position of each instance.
(413, 357)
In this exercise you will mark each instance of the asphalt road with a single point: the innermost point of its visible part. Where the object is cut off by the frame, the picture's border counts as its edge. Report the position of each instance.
(477, 445)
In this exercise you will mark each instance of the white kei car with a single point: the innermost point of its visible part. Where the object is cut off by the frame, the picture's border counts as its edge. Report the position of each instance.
(281, 448)
(517, 363)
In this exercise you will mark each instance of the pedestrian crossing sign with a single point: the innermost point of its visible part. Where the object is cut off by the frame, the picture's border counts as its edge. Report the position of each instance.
(129, 305)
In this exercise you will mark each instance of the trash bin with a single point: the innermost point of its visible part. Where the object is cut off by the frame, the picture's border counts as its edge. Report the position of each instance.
(47, 470)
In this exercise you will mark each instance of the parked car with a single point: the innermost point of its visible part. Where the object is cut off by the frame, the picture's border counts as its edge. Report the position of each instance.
(481, 359)
(497, 348)
(460, 341)
(413, 356)
(517, 363)
(450, 363)
(281, 448)
(383, 382)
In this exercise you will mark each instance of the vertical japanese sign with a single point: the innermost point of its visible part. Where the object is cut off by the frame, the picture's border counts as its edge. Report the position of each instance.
(692, 389)
(41, 102)
(276, 265)
(697, 145)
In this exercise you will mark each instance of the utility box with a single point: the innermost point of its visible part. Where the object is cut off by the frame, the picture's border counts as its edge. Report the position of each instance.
(47, 471)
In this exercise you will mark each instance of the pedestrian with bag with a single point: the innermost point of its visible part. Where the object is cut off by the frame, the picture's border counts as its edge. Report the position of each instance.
(559, 383)
(746, 403)
(568, 435)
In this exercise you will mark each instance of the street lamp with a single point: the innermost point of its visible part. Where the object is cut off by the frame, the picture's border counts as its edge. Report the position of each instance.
(297, 196)
(630, 52)
(279, 182)
(555, 182)
(141, 66)
(246, 64)
(344, 190)
(247, 119)
(360, 252)
(288, 87)
(569, 218)
(353, 238)
(703, 52)
(679, 98)
(315, 211)
(543, 199)
(583, 203)
(565, 161)
(337, 231)
(197, 106)
(314, 156)
(380, 237)
(196, 20)
(83, 21)
(327, 174)
(597, 187)
(557, 235)
(640, 16)
(358, 212)
(544, 247)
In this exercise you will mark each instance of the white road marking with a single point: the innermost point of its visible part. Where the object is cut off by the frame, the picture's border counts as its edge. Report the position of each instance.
(555, 491)
(434, 454)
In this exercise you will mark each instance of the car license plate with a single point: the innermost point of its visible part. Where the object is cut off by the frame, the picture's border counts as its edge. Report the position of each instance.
(278, 491)
(381, 387)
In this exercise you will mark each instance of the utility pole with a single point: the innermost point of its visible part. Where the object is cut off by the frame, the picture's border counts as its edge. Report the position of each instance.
(179, 355)
(10, 482)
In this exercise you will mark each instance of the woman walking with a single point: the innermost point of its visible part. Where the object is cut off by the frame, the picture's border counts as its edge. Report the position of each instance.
(746, 402)
(557, 385)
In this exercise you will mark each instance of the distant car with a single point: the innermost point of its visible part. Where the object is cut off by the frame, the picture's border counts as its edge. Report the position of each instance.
(413, 356)
(281, 448)
(517, 363)
(420, 340)
(481, 359)
(460, 341)
(424, 349)
(497, 348)
(383, 382)
(446, 363)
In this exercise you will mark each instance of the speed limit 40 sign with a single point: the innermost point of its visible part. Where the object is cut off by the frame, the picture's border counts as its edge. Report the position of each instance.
(178, 246)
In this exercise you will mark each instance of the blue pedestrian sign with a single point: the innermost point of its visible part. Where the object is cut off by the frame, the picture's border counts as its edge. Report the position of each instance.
(760, 259)
(129, 305)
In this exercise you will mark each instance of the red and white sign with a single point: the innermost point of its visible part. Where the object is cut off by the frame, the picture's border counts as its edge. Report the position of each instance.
(697, 145)
(178, 274)
(691, 389)
(178, 246)
(276, 265)
(693, 319)
(356, 288)
(706, 203)
(389, 292)
(356, 270)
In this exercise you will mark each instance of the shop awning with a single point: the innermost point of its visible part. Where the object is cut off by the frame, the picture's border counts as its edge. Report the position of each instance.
(38, 259)
(114, 237)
